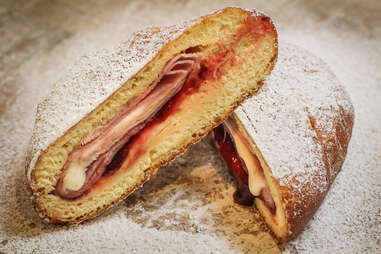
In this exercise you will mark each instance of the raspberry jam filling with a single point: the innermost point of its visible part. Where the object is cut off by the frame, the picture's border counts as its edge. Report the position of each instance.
(226, 148)
(120, 142)
(209, 70)
(247, 190)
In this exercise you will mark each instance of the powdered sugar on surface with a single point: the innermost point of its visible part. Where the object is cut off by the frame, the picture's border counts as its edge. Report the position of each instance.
(193, 197)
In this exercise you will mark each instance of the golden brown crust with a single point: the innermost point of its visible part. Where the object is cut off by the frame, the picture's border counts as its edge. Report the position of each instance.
(335, 145)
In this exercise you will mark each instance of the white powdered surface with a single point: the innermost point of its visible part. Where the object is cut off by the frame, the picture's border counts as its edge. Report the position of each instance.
(300, 87)
(187, 207)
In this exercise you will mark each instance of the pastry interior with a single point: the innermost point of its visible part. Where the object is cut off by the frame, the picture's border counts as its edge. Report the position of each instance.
(209, 70)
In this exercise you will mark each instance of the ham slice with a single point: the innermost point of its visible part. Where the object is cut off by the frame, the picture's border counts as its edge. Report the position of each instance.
(87, 163)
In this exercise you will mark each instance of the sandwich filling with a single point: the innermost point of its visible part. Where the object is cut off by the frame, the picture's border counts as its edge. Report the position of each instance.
(244, 165)
(119, 142)
(104, 151)
(86, 164)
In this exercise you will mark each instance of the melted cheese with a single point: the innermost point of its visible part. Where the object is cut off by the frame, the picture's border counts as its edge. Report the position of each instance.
(256, 179)
(75, 177)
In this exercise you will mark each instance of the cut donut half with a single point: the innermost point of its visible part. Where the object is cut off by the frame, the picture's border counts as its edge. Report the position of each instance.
(286, 145)
(100, 134)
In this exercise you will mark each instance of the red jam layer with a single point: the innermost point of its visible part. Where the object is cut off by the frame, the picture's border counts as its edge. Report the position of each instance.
(192, 85)
(229, 154)
(236, 165)
(257, 27)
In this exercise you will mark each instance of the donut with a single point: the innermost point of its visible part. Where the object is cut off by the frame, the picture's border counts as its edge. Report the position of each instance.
(286, 145)
(120, 114)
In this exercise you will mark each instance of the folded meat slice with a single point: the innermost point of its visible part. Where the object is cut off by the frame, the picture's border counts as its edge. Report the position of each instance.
(244, 164)
(86, 164)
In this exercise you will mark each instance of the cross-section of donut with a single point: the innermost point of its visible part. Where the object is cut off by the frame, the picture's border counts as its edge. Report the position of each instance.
(286, 145)
(117, 117)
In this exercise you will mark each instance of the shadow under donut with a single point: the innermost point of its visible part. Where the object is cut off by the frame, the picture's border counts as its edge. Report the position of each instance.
(195, 194)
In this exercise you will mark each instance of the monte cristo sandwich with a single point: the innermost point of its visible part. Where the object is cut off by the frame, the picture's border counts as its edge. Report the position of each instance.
(118, 116)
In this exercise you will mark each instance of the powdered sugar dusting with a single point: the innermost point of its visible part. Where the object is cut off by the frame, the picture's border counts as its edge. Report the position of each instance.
(345, 34)
(300, 89)
(91, 80)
